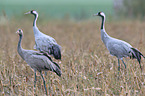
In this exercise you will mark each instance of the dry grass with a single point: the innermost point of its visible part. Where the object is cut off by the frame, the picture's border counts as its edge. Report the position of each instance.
(87, 67)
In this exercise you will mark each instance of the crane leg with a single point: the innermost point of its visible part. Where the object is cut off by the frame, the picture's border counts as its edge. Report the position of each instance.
(45, 73)
(35, 80)
(123, 63)
(118, 65)
(44, 83)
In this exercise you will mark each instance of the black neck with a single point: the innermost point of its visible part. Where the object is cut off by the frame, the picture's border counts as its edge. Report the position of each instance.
(103, 21)
(35, 19)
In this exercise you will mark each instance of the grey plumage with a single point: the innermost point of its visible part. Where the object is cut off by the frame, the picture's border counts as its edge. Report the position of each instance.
(43, 42)
(116, 47)
(36, 60)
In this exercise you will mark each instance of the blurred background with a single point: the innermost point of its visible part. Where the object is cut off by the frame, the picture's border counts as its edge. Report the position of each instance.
(72, 9)
(56, 9)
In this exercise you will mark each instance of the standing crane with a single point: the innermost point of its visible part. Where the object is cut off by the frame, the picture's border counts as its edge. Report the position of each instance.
(116, 47)
(37, 61)
(43, 42)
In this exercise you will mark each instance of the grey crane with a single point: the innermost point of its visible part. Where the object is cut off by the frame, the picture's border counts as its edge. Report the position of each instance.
(43, 42)
(37, 61)
(116, 47)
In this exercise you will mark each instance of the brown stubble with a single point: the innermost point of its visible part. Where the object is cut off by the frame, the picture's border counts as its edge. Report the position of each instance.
(87, 67)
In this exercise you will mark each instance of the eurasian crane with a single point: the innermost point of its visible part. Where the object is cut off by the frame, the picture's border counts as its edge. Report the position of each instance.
(116, 47)
(37, 61)
(43, 42)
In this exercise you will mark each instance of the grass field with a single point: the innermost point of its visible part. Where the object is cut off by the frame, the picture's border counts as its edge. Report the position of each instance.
(87, 67)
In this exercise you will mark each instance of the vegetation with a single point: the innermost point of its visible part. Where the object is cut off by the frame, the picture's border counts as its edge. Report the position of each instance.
(87, 67)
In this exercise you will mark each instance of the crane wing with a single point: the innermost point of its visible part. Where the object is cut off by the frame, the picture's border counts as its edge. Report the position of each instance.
(119, 48)
(40, 62)
(43, 44)
(48, 45)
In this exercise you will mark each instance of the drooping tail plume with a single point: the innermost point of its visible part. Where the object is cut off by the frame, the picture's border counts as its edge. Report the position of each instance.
(56, 52)
(57, 69)
(137, 54)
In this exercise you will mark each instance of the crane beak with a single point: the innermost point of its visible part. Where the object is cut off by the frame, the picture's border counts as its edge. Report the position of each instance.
(17, 32)
(95, 14)
(28, 12)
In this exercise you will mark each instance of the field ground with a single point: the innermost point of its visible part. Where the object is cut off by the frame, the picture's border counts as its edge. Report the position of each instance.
(87, 67)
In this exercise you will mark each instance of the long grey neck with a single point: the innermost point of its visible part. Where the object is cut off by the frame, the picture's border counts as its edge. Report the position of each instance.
(35, 29)
(104, 35)
(19, 48)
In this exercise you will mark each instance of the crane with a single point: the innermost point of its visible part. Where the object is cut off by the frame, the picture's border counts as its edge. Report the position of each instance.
(37, 61)
(116, 47)
(43, 42)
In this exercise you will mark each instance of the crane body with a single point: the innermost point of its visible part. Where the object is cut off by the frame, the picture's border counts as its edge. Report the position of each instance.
(37, 61)
(116, 47)
(43, 42)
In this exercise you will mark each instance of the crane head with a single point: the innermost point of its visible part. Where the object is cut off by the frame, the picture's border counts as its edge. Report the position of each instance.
(102, 14)
(34, 12)
(20, 32)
